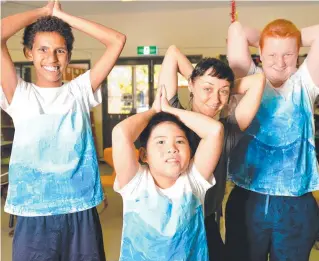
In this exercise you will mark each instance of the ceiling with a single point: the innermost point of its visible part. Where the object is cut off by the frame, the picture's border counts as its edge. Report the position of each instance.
(82, 8)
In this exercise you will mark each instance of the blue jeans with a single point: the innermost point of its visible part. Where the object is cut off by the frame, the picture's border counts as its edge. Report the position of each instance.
(259, 225)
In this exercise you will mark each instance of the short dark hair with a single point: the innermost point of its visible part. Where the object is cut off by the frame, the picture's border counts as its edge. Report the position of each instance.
(48, 24)
(220, 70)
(159, 118)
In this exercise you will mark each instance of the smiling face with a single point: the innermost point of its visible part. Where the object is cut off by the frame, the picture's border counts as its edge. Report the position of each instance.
(279, 43)
(50, 57)
(167, 153)
(210, 94)
(279, 59)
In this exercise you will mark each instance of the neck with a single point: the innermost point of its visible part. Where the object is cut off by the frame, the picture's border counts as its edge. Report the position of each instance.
(163, 182)
(277, 84)
(44, 83)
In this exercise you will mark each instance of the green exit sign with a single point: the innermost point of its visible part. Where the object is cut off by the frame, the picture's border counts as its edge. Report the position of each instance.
(147, 50)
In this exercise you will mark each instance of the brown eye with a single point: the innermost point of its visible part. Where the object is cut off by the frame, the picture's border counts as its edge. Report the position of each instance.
(225, 92)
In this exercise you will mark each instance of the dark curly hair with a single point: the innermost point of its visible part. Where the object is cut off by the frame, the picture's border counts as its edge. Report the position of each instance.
(220, 70)
(48, 24)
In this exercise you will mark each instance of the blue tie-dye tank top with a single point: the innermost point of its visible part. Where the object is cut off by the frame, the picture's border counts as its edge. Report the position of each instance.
(53, 165)
(277, 155)
(165, 224)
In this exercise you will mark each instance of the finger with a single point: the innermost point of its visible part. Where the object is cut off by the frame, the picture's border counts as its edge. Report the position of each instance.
(159, 92)
(164, 90)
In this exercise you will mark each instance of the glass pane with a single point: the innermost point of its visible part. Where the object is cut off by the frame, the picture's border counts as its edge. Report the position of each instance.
(182, 82)
(128, 89)
(157, 68)
(73, 71)
(119, 84)
(183, 93)
(141, 88)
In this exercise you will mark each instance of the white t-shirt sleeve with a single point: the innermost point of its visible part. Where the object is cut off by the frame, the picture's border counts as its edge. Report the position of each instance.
(81, 85)
(307, 82)
(198, 183)
(130, 190)
(20, 93)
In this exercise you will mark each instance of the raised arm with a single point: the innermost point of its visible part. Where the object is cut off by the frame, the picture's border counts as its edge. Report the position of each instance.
(113, 41)
(310, 38)
(209, 130)
(174, 62)
(124, 135)
(10, 26)
(238, 42)
(252, 87)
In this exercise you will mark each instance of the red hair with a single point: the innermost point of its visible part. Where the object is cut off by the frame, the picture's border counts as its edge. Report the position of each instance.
(280, 28)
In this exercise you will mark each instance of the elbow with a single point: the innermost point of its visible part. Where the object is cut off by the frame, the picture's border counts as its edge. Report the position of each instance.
(217, 130)
(118, 40)
(235, 29)
(4, 39)
(172, 50)
(121, 39)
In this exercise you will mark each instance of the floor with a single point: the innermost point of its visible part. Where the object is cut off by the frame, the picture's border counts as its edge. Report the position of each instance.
(111, 220)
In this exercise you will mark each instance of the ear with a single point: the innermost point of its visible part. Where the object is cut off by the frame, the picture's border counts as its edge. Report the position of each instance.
(28, 54)
(143, 154)
(69, 57)
(190, 86)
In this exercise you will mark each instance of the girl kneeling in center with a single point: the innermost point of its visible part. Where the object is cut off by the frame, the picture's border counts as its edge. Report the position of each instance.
(163, 198)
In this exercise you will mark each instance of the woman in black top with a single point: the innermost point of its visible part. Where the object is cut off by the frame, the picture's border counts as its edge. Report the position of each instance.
(210, 84)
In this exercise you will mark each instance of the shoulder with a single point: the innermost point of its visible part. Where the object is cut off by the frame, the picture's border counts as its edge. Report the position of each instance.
(140, 181)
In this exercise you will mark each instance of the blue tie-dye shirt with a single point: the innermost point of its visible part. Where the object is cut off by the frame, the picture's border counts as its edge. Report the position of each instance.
(277, 155)
(164, 224)
(53, 165)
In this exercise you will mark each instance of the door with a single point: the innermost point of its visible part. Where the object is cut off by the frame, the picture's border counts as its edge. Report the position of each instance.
(130, 89)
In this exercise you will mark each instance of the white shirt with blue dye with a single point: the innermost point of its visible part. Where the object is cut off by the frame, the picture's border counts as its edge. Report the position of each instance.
(53, 165)
(164, 224)
(277, 156)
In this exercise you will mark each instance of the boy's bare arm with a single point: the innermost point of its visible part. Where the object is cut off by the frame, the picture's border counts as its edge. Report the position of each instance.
(310, 38)
(113, 41)
(174, 62)
(252, 87)
(124, 135)
(238, 41)
(10, 26)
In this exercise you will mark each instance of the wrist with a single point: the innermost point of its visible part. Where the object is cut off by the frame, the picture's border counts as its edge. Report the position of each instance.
(57, 13)
(168, 109)
(152, 111)
(45, 11)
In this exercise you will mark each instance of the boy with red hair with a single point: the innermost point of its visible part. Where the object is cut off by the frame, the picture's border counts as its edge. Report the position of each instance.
(274, 167)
